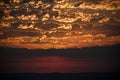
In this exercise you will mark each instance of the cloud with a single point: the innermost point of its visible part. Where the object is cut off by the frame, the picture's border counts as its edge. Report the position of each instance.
(28, 17)
(45, 17)
(102, 5)
(25, 27)
(1, 33)
(45, 42)
(59, 23)
(104, 20)
(15, 1)
(5, 25)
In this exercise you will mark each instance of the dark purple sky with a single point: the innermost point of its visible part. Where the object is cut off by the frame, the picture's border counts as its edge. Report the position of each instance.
(94, 59)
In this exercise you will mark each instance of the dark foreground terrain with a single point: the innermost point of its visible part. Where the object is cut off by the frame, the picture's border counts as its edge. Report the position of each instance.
(61, 76)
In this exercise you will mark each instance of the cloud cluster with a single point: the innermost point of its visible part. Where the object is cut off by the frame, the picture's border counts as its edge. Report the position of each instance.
(59, 23)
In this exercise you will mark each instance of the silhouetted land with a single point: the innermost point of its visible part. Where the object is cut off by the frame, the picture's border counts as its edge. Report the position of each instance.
(61, 76)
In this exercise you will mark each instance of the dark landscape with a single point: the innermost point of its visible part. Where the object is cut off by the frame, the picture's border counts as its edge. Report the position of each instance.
(62, 76)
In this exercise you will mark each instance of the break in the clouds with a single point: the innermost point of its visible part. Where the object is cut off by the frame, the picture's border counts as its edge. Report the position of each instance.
(35, 24)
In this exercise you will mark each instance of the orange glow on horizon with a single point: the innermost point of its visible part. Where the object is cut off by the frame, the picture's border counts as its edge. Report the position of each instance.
(55, 64)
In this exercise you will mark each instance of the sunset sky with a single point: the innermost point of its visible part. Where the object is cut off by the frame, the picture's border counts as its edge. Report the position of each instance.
(46, 36)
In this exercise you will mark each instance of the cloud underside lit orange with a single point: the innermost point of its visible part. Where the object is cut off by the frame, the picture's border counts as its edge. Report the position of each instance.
(60, 43)
(59, 23)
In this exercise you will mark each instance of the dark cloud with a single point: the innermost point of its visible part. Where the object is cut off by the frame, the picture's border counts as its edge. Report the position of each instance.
(25, 1)
(92, 52)
(6, 1)
(47, 1)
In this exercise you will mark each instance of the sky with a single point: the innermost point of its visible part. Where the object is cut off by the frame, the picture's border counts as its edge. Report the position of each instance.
(66, 36)
(94, 59)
